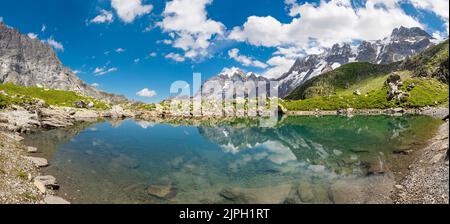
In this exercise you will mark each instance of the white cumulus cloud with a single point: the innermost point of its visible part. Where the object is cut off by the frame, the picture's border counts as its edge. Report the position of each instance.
(104, 17)
(244, 60)
(120, 50)
(32, 35)
(146, 93)
(76, 72)
(55, 44)
(438, 7)
(188, 25)
(278, 66)
(104, 70)
(326, 23)
(128, 10)
(175, 56)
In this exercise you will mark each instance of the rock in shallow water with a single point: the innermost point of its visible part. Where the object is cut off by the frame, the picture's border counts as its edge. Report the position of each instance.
(368, 190)
(39, 162)
(235, 197)
(162, 191)
(31, 149)
(50, 199)
(305, 192)
(264, 195)
(45, 182)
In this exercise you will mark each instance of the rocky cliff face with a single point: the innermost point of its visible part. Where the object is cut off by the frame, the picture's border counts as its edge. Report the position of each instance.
(30, 62)
(402, 43)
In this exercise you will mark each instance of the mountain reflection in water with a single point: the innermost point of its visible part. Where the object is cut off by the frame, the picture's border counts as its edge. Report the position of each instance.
(301, 160)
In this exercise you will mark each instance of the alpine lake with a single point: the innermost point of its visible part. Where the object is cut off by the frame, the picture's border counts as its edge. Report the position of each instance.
(302, 159)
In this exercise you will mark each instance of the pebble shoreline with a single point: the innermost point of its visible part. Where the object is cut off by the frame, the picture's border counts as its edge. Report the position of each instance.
(20, 180)
(427, 178)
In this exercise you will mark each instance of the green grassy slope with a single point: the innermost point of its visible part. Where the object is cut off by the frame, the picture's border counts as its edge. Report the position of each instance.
(427, 92)
(340, 78)
(334, 90)
(433, 62)
(22, 95)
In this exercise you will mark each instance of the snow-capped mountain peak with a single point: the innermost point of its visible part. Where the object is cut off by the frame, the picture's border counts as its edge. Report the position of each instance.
(403, 42)
(230, 72)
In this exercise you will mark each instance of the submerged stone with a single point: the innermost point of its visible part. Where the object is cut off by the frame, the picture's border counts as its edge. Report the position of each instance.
(50, 199)
(305, 192)
(162, 191)
(45, 182)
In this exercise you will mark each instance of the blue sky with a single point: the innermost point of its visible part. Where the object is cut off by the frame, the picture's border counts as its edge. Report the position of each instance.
(126, 46)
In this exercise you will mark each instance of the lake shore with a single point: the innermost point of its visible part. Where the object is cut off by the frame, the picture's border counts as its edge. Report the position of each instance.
(426, 179)
(18, 173)
(20, 179)
(435, 112)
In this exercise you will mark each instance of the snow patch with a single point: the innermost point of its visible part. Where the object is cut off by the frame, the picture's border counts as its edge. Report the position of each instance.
(335, 65)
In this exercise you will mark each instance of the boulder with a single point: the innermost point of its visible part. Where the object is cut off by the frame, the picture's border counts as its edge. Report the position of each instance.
(50, 199)
(70, 111)
(80, 104)
(90, 105)
(37, 161)
(81, 115)
(394, 93)
(117, 112)
(54, 118)
(45, 182)
(40, 103)
(357, 92)
(31, 149)
(403, 97)
(19, 120)
(393, 78)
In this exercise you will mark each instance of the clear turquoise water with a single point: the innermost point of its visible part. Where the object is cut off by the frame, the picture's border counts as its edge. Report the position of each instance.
(298, 161)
